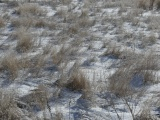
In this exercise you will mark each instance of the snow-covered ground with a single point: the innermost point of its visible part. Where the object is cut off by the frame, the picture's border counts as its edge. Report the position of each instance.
(113, 45)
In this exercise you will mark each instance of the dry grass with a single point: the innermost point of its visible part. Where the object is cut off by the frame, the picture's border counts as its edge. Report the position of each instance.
(119, 82)
(72, 30)
(26, 22)
(8, 107)
(148, 77)
(10, 64)
(2, 23)
(148, 62)
(148, 4)
(158, 5)
(142, 4)
(52, 25)
(41, 96)
(38, 99)
(59, 57)
(36, 64)
(24, 62)
(12, 3)
(61, 13)
(113, 52)
(30, 9)
(85, 22)
(40, 23)
(145, 115)
(65, 2)
(78, 82)
(58, 115)
(25, 41)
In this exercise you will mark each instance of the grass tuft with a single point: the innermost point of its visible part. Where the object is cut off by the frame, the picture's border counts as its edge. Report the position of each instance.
(10, 64)
(25, 41)
(78, 82)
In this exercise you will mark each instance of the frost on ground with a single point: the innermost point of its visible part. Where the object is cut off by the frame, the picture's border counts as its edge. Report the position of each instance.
(80, 60)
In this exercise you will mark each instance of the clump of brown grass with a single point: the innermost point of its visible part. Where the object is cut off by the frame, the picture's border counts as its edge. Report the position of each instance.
(40, 23)
(145, 115)
(119, 82)
(61, 13)
(24, 62)
(84, 13)
(148, 62)
(23, 21)
(142, 4)
(8, 107)
(25, 41)
(113, 52)
(148, 77)
(10, 64)
(52, 25)
(29, 8)
(85, 22)
(72, 30)
(78, 82)
(41, 96)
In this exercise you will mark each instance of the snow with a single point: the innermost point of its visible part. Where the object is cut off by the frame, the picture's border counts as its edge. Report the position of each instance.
(96, 67)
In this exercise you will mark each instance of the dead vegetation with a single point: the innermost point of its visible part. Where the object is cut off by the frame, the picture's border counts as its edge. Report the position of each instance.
(24, 41)
(26, 22)
(73, 33)
(78, 82)
(8, 107)
(29, 9)
(10, 64)
(113, 52)
(2, 23)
